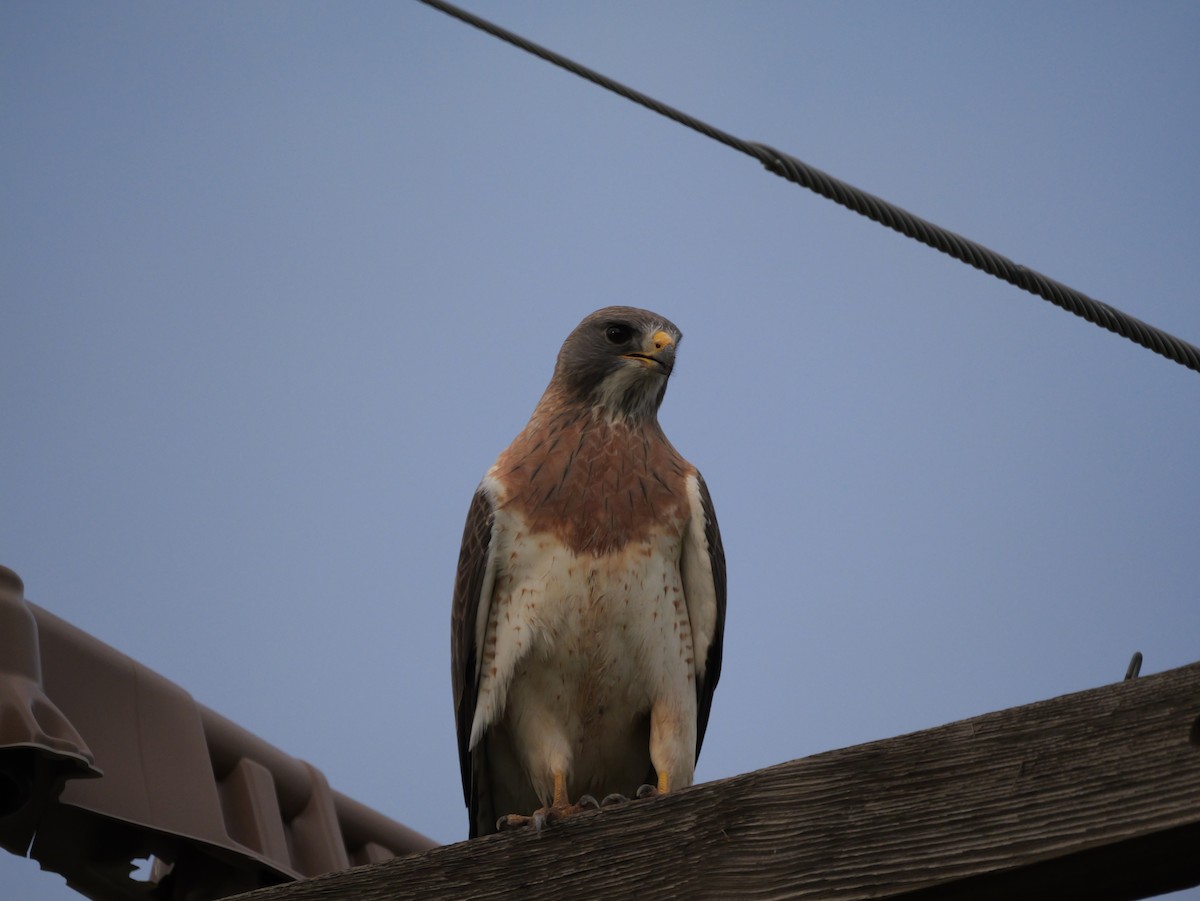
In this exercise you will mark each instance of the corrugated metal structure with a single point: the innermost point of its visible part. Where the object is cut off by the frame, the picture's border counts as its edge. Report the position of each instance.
(104, 762)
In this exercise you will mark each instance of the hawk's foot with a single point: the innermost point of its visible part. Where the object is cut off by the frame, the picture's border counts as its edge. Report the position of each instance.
(544, 816)
(653, 791)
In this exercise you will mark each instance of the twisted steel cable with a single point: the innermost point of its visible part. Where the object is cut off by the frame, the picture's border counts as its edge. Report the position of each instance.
(874, 208)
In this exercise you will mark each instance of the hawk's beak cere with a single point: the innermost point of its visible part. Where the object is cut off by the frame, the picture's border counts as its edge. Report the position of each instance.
(657, 353)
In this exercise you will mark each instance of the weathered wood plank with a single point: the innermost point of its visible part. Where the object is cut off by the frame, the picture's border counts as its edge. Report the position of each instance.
(1094, 794)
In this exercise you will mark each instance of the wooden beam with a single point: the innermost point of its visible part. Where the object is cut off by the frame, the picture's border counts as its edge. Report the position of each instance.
(1090, 795)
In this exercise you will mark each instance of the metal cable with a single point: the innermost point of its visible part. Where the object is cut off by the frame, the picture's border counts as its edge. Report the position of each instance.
(872, 207)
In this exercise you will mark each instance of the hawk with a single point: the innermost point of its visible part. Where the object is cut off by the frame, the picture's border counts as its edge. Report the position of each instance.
(589, 603)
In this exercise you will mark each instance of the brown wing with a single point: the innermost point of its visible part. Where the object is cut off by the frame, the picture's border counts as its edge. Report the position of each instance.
(470, 583)
(712, 669)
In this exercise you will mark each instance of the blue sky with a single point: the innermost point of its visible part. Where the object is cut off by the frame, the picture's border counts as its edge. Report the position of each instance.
(279, 281)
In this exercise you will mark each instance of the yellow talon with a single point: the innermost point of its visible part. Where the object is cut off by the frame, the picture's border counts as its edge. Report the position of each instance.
(664, 783)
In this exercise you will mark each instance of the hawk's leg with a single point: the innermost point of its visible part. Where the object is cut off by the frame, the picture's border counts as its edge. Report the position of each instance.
(560, 808)
(650, 791)
(645, 791)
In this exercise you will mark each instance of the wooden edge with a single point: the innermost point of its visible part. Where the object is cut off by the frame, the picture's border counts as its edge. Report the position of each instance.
(1095, 793)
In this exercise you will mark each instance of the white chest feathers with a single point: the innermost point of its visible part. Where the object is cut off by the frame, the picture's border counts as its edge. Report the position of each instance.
(574, 644)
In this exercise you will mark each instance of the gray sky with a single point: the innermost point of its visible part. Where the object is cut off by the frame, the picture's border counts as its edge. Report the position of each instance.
(279, 281)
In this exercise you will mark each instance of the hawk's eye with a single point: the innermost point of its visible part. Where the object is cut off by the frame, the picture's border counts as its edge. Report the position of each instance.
(618, 333)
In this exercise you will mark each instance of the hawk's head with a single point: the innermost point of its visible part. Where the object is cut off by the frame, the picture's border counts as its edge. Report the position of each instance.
(619, 358)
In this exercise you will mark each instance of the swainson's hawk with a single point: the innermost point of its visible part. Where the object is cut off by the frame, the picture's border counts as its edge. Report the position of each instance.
(589, 605)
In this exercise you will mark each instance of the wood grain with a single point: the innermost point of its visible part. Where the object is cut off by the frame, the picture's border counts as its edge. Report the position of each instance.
(1089, 795)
